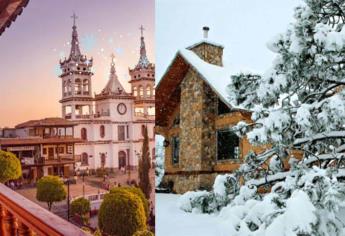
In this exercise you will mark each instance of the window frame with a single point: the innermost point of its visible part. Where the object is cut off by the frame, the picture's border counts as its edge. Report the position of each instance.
(174, 160)
(237, 153)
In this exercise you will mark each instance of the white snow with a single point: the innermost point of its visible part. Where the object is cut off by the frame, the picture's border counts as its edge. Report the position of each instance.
(171, 221)
(212, 74)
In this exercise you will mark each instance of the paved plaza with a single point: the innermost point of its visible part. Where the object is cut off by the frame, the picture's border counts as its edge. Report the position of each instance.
(92, 185)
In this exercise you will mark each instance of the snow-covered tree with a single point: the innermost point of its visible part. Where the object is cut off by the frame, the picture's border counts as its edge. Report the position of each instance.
(299, 103)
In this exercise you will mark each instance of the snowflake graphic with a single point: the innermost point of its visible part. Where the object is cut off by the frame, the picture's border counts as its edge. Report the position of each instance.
(88, 42)
(119, 51)
(57, 70)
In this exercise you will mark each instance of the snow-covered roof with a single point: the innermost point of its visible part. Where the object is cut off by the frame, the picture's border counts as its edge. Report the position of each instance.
(217, 77)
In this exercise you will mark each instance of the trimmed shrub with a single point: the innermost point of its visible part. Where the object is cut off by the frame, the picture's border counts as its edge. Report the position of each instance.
(121, 214)
(50, 189)
(10, 167)
(135, 191)
(81, 207)
(143, 233)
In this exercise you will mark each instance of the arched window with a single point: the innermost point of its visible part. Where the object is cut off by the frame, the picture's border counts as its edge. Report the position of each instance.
(135, 91)
(86, 86)
(83, 134)
(122, 159)
(153, 92)
(65, 87)
(103, 157)
(84, 159)
(69, 87)
(77, 86)
(141, 91)
(102, 131)
(148, 91)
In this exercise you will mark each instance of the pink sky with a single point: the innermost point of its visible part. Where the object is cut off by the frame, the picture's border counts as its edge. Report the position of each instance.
(32, 46)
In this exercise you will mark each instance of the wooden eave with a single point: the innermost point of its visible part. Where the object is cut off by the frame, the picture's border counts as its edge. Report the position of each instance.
(9, 10)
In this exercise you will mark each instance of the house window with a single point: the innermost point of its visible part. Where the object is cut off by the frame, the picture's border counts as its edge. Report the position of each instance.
(227, 145)
(102, 131)
(61, 150)
(83, 134)
(175, 150)
(127, 131)
(223, 108)
(121, 132)
(84, 159)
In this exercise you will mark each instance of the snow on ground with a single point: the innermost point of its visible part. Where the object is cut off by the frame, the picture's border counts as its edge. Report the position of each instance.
(171, 221)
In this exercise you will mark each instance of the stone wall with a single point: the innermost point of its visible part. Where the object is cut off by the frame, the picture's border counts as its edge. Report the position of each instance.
(191, 125)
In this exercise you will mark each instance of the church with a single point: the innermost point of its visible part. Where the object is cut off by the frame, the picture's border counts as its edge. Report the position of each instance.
(110, 123)
(97, 130)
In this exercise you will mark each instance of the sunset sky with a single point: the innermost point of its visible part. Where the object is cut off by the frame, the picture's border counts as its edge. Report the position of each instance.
(32, 46)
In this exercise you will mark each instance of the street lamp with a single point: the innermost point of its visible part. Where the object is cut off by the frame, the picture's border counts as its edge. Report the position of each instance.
(68, 200)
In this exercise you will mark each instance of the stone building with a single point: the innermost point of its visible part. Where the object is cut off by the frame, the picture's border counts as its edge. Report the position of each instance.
(194, 116)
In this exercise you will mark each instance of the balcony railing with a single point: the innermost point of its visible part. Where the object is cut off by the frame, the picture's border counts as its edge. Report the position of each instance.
(143, 115)
(20, 216)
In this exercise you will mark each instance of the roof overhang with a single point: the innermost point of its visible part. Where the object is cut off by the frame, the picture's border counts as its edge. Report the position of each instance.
(9, 10)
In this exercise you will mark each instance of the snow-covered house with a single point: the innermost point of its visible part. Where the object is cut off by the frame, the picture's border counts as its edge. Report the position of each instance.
(194, 116)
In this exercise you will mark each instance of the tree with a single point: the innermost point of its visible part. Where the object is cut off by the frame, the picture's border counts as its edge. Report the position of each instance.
(297, 105)
(50, 189)
(121, 214)
(144, 167)
(143, 233)
(10, 167)
(81, 207)
(135, 191)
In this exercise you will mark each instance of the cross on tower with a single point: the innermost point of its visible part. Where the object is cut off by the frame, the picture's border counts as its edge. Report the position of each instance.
(142, 30)
(112, 58)
(74, 17)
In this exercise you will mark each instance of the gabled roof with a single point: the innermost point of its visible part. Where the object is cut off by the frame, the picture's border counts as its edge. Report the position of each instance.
(167, 95)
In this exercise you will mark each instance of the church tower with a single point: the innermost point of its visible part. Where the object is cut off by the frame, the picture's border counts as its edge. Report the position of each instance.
(142, 83)
(76, 75)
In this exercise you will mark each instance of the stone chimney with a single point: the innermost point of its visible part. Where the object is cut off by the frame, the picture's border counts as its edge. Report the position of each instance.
(208, 51)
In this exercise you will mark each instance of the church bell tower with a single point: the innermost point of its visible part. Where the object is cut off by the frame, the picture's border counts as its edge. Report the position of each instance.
(77, 100)
(143, 82)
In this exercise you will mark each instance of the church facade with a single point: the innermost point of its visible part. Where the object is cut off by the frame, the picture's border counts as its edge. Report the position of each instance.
(110, 122)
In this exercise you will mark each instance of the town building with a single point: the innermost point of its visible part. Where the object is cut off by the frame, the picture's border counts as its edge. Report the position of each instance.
(110, 122)
(195, 118)
(44, 147)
